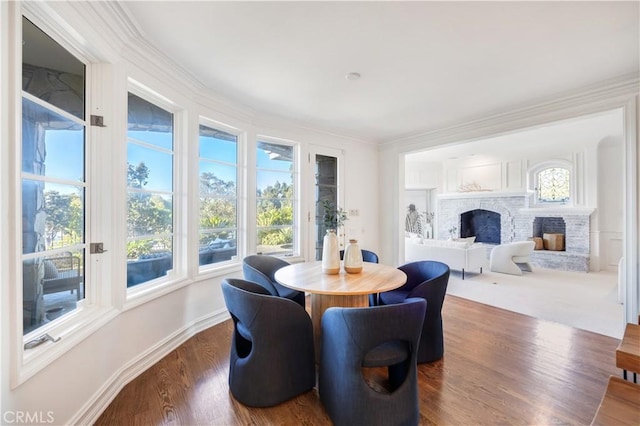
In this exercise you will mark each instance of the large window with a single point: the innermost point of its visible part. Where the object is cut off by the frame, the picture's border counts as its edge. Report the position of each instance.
(218, 195)
(275, 195)
(53, 179)
(149, 191)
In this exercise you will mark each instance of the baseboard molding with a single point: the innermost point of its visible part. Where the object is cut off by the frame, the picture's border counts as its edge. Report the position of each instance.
(93, 408)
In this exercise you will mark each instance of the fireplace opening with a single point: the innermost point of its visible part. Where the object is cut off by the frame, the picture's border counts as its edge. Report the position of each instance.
(482, 224)
(551, 230)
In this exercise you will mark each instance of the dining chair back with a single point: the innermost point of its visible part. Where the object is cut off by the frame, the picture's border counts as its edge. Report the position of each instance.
(357, 338)
(427, 279)
(272, 352)
(261, 269)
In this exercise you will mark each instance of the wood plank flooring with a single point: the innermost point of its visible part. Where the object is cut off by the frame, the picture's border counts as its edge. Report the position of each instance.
(499, 367)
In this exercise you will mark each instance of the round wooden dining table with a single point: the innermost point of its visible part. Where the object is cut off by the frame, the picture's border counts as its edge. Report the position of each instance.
(341, 290)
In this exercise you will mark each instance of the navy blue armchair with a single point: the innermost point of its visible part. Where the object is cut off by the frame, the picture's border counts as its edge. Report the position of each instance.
(261, 269)
(383, 336)
(427, 279)
(272, 352)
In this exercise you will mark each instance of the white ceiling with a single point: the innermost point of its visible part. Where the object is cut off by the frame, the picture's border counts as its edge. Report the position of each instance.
(424, 65)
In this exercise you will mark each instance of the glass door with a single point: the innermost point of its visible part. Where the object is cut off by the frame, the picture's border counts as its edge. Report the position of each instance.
(327, 178)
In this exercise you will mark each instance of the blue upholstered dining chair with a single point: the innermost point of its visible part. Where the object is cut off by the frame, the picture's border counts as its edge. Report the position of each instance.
(272, 350)
(261, 269)
(427, 279)
(383, 336)
(367, 256)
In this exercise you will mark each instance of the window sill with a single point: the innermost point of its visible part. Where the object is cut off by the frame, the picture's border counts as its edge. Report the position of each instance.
(71, 331)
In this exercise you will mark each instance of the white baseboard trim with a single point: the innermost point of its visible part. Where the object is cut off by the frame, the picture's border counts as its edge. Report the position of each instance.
(93, 408)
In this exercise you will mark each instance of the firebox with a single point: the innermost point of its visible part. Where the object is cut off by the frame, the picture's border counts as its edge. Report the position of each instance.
(482, 224)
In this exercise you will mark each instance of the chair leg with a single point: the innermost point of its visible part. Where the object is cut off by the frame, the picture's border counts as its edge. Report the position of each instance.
(463, 273)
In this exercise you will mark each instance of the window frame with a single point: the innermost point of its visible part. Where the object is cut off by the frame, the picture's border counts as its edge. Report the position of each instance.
(296, 250)
(148, 290)
(92, 313)
(241, 196)
(534, 184)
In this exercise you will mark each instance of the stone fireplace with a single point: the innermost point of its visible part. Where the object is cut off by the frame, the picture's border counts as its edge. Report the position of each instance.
(495, 218)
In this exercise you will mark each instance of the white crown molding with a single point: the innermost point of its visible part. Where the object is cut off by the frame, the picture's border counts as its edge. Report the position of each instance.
(586, 100)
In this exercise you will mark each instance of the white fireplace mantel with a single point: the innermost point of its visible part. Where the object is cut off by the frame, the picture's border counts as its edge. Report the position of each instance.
(482, 194)
(558, 210)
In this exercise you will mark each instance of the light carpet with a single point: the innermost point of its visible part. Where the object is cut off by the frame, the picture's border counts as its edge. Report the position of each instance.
(588, 301)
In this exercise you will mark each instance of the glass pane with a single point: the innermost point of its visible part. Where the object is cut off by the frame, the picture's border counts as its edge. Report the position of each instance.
(274, 184)
(275, 241)
(148, 259)
(52, 215)
(326, 191)
(149, 214)
(51, 144)
(217, 213)
(274, 211)
(553, 185)
(149, 123)
(326, 170)
(217, 180)
(218, 246)
(218, 145)
(52, 286)
(50, 72)
(275, 157)
(149, 169)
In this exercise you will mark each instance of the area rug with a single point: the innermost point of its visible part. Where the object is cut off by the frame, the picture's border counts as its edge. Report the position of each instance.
(588, 301)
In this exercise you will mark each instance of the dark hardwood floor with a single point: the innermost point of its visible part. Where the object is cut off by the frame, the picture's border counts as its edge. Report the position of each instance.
(499, 367)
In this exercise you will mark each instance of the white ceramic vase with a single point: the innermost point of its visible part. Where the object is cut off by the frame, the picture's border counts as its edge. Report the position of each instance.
(353, 258)
(330, 253)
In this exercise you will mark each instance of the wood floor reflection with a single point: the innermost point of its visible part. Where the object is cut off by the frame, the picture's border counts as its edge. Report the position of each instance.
(499, 367)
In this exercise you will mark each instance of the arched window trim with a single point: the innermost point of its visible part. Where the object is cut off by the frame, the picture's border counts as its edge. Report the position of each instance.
(533, 184)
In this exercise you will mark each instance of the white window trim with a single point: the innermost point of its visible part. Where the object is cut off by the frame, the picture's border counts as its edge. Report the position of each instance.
(241, 197)
(176, 277)
(532, 179)
(297, 205)
(91, 313)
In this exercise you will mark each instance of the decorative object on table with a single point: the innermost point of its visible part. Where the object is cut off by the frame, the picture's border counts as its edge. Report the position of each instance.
(452, 232)
(333, 219)
(353, 258)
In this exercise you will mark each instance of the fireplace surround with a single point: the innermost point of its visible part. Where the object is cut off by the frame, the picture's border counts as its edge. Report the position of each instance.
(514, 219)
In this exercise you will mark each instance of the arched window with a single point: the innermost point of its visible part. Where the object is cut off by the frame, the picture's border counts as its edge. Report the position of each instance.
(553, 185)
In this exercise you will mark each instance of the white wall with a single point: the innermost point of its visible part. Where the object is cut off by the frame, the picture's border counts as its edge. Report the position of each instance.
(76, 386)
(610, 202)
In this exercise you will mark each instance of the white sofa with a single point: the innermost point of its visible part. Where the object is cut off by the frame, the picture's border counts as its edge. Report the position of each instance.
(459, 255)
